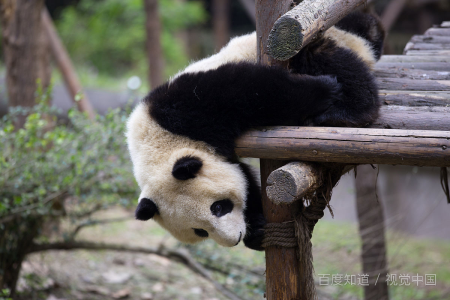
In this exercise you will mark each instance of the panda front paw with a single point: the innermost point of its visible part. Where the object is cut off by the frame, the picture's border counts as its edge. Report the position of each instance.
(255, 233)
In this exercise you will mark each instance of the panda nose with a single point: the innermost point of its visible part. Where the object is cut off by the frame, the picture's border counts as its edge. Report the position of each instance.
(200, 232)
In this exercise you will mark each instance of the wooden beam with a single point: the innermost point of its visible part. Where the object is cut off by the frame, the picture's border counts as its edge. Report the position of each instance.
(434, 66)
(348, 145)
(414, 98)
(411, 74)
(304, 23)
(292, 182)
(438, 32)
(413, 85)
(430, 39)
(414, 118)
(66, 68)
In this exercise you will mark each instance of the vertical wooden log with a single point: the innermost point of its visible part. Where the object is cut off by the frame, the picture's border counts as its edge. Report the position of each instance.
(65, 66)
(220, 11)
(371, 228)
(282, 264)
(154, 48)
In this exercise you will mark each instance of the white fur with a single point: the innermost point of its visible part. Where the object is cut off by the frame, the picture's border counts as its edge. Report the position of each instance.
(241, 48)
(185, 204)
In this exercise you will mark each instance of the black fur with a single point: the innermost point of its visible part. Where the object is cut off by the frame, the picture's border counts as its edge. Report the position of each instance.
(145, 210)
(218, 106)
(254, 217)
(186, 167)
(359, 104)
(367, 26)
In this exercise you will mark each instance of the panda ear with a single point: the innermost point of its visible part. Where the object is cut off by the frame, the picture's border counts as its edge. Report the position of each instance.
(186, 167)
(145, 210)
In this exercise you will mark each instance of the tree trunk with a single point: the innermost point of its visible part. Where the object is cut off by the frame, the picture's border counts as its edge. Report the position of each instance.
(220, 12)
(22, 44)
(371, 228)
(154, 49)
(26, 54)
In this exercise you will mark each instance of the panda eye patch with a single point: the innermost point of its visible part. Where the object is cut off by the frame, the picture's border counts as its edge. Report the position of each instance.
(222, 207)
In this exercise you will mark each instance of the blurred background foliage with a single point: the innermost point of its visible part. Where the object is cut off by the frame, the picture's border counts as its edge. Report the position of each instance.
(109, 36)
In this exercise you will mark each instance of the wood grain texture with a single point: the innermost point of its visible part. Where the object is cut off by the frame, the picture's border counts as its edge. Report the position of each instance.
(283, 280)
(411, 73)
(282, 266)
(438, 31)
(292, 182)
(417, 118)
(414, 98)
(304, 23)
(430, 39)
(412, 59)
(413, 85)
(434, 66)
(348, 145)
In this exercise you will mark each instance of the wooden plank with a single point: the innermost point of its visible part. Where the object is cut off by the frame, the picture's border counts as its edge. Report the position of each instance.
(414, 118)
(438, 31)
(428, 52)
(414, 98)
(411, 74)
(428, 46)
(348, 145)
(413, 85)
(434, 66)
(430, 39)
(413, 59)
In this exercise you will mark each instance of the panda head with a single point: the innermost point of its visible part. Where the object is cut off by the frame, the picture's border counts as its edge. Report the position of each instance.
(186, 187)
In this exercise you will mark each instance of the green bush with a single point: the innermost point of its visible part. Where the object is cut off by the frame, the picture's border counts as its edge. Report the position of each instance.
(85, 159)
(110, 35)
(50, 171)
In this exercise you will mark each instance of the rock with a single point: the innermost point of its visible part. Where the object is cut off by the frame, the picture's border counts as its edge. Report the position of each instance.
(97, 290)
(196, 290)
(116, 277)
(121, 294)
(158, 287)
(147, 296)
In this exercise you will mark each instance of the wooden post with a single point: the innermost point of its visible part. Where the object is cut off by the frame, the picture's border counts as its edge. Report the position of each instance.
(153, 44)
(282, 264)
(65, 66)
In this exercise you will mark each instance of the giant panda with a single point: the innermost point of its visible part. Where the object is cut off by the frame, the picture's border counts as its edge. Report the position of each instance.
(181, 136)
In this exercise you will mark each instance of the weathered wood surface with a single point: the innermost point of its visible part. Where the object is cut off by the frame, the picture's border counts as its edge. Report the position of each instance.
(434, 66)
(438, 31)
(414, 98)
(413, 59)
(430, 39)
(305, 22)
(348, 145)
(283, 271)
(282, 265)
(292, 182)
(428, 52)
(413, 85)
(411, 74)
(417, 118)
